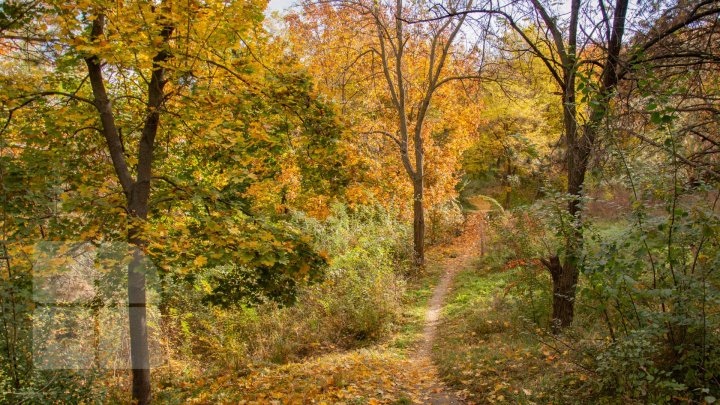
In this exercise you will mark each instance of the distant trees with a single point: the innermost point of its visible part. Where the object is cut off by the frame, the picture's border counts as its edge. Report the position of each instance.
(517, 140)
(404, 66)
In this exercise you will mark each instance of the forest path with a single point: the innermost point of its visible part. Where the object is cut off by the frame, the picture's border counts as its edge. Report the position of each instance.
(380, 374)
(453, 257)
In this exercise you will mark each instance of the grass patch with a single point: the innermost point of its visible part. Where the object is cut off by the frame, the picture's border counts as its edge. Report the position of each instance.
(418, 291)
(492, 353)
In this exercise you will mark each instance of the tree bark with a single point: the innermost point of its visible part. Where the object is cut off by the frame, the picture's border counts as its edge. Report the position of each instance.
(564, 285)
(418, 221)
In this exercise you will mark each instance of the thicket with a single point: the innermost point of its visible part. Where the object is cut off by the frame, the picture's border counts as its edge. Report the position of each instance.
(649, 294)
(357, 303)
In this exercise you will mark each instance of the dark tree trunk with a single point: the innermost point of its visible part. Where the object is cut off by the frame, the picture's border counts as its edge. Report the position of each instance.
(139, 351)
(418, 193)
(137, 295)
(418, 223)
(565, 276)
(564, 280)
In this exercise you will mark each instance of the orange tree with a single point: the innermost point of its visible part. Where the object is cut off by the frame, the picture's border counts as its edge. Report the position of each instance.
(407, 92)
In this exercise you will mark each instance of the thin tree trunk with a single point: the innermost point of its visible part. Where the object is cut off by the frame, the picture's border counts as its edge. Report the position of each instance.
(506, 182)
(418, 222)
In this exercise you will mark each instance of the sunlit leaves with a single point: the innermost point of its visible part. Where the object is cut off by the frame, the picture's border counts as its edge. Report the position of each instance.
(243, 139)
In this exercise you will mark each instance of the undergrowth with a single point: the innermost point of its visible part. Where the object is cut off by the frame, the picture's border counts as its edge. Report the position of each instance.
(491, 348)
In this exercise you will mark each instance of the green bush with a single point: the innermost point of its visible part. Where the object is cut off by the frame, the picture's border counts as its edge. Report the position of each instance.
(357, 303)
(657, 287)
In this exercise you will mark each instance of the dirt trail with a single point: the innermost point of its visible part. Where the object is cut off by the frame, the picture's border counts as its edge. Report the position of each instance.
(374, 375)
(451, 259)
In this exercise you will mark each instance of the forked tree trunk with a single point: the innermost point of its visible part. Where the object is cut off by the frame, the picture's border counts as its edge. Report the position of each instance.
(392, 43)
(137, 193)
(138, 205)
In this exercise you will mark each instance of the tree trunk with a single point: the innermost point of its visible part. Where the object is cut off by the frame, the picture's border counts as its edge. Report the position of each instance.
(139, 352)
(136, 287)
(506, 182)
(565, 276)
(418, 222)
(564, 285)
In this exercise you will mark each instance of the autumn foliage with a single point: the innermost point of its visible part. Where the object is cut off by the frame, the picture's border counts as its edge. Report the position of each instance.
(358, 201)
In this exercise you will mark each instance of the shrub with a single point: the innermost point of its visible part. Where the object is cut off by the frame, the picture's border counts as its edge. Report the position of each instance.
(356, 304)
(656, 287)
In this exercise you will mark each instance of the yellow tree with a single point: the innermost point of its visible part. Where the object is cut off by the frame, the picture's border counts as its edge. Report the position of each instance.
(521, 125)
(185, 141)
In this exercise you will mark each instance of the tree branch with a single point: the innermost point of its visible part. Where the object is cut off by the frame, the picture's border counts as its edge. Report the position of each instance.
(104, 108)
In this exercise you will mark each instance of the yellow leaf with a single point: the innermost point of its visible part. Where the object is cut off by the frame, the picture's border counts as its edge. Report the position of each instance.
(200, 261)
